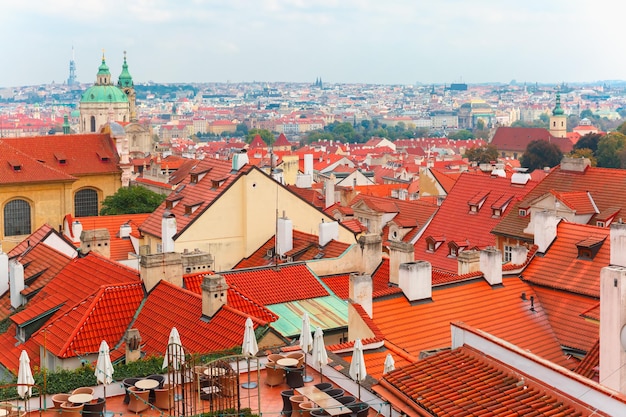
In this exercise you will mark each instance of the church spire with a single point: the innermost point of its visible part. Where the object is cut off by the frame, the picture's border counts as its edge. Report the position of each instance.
(125, 79)
(558, 110)
(104, 75)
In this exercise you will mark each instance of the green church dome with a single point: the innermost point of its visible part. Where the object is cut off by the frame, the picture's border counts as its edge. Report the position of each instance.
(558, 110)
(125, 79)
(104, 94)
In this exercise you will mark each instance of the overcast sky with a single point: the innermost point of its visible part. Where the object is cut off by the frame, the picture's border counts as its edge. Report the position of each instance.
(341, 41)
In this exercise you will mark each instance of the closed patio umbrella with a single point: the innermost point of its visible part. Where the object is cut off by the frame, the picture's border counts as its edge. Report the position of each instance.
(390, 364)
(174, 354)
(104, 368)
(320, 356)
(25, 378)
(357, 366)
(306, 342)
(249, 348)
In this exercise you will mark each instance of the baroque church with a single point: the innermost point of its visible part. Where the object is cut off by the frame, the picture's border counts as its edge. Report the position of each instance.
(106, 104)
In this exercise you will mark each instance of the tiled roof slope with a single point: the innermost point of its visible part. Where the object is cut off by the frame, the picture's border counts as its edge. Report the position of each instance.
(83, 153)
(37, 236)
(11, 350)
(454, 221)
(340, 284)
(41, 264)
(271, 285)
(235, 298)
(409, 213)
(104, 315)
(155, 321)
(203, 191)
(79, 279)
(465, 382)
(375, 361)
(444, 179)
(309, 195)
(580, 276)
(305, 248)
(518, 138)
(605, 185)
(17, 166)
(119, 247)
(564, 312)
(500, 311)
(589, 367)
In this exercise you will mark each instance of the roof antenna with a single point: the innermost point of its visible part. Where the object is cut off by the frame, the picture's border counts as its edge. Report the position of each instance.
(532, 303)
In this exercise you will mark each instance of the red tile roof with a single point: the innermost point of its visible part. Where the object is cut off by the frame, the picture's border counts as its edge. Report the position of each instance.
(482, 191)
(444, 179)
(410, 213)
(499, 311)
(466, 382)
(309, 195)
(604, 185)
(580, 276)
(518, 138)
(104, 315)
(38, 235)
(272, 285)
(155, 321)
(19, 166)
(340, 284)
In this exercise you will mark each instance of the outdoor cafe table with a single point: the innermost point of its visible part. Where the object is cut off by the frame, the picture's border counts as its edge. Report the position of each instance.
(287, 362)
(4, 412)
(147, 384)
(323, 400)
(217, 371)
(80, 398)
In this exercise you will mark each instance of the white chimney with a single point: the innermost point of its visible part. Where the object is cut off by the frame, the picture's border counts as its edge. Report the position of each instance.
(491, 265)
(125, 230)
(360, 291)
(4, 271)
(519, 255)
(308, 164)
(416, 279)
(284, 238)
(618, 244)
(16, 282)
(239, 160)
(613, 327)
(329, 186)
(328, 231)
(168, 230)
(545, 229)
(77, 229)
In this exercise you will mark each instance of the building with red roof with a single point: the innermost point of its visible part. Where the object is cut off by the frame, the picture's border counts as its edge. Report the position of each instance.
(513, 141)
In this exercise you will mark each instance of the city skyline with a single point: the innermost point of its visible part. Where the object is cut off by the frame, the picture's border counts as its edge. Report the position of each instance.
(393, 42)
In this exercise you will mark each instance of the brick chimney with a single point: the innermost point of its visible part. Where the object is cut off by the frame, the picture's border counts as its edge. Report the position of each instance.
(166, 266)
(491, 265)
(399, 253)
(214, 294)
(360, 291)
(468, 261)
(618, 244)
(416, 280)
(97, 240)
(371, 252)
(16, 282)
(613, 327)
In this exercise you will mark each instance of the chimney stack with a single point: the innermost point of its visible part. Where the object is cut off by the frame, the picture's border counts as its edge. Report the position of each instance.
(329, 194)
(214, 294)
(125, 231)
(284, 238)
(77, 230)
(132, 339)
(168, 230)
(416, 280)
(613, 327)
(327, 232)
(161, 266)
(491, 265)
(371, 252)
(519, 255)
(16, 282)
(468, 261)
(97, 240)
(545, 224)
(399, 253)
(360, 291)
(4, 271)
(618, 244)
(308, 164)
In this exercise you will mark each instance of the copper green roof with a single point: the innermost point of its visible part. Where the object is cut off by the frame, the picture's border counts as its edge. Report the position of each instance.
(104, 94)
(334, 314)
(558, 110)
(125, 79)
(103, 69)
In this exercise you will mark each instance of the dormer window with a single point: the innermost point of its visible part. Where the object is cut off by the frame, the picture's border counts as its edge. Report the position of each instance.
(61, 158)
(589, 248)
(496, 212)
(600, 224)
(170, 203)
(197, 176)
(433, 242)
(522, 212)
(15, 165)
(217, 182)
(192, 207)
(477, 201)
(104, 157)
(455, 248)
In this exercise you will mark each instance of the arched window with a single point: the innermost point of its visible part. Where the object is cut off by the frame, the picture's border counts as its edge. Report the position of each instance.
(17, 218)
(86, 203)
(93, 124)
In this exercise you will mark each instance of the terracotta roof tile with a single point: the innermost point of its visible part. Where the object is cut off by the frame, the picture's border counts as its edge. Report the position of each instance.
(340, 284)
(20, 166)
(590, 365)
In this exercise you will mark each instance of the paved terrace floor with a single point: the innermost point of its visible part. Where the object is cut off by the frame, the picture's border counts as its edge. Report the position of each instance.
(264, 400)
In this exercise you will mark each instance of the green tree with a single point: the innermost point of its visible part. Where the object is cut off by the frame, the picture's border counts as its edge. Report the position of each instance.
(241, 129)
(482, 154)
(480, 124)
(587, 114)
(539, 154)
(584, 153)
(461, 134)
(609, 148)
(131, 200)
(622, 128)
(265, 134)
(589, 141)
(342, 131)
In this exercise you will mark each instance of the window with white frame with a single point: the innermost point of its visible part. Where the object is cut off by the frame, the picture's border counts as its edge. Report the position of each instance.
(508, 253)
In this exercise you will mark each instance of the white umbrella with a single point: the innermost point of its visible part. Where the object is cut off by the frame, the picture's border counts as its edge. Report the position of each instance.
(390, 364)
(174, 351)
(357, 367)
(249, 348)
(25, 376)
(306, 342)
(104, 367)
(320, 357)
